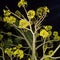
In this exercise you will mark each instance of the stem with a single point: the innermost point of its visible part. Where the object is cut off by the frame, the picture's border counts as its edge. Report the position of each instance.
(27, 17)
(55, 50)
(55, 57)
(23, 36)
(30, 25)
(3, 55)
(42, 44)
(33, 49)
(41, 19)
(44, 48)
(11, 58)
(15, 14)
(44, 57)
(52, 54)
(12, 35)
(25, 9)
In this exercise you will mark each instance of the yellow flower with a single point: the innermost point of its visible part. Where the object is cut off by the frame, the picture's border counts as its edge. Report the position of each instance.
(46, 9)
(6, 12)
(6, 19)
(44, 33)
(9, 51)
(39, 12)
(56, 38)
(14, 48)
(19, 46)
(29, 59)
(42, 10)
(48, 27)
(55, 33)
(10, 19)
(50, 52)
(16, 52)
(23, 23)
(19, 53)
(21, 3)
(31, 14)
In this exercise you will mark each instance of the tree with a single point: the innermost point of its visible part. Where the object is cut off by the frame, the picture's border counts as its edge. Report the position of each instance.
(28, 30)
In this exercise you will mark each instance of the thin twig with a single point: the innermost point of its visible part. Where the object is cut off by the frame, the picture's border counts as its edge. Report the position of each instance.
(28, 18)
(41, 19)
(1, 57)
(55, 57)
(55, 50)
(13, 35)
(25, 9)
(23, 35)
(15, 14)
(41, 44)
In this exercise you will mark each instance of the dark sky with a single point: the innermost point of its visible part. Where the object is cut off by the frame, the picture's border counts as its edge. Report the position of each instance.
(54, 6)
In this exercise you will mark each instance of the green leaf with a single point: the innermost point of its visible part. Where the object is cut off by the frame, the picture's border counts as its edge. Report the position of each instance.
(8, 43)
(28, 35)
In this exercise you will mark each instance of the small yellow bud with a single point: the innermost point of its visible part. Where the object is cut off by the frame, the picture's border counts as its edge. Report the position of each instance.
(22, 3)
(46, 9)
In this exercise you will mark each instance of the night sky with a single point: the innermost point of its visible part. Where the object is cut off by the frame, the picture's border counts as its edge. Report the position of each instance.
(53, 17)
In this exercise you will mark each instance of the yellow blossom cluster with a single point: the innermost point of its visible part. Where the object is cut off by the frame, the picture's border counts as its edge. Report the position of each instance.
(44, 33)
(6, 12)
(22, 3)
(40, 11)
(19, 53)
(31, 14)
(16, 52)
(10, 19)
(23, 23)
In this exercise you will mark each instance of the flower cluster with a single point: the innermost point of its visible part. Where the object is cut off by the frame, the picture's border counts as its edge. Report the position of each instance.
(48, 27)
(22, 3)
(23, 23)
(56, 35)
(15, 51)
(19, 53)
(9, 51)
(6, 12)
(44, 33)
(10, 19)
(50, 52)
(31, 14)
(40, 11)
